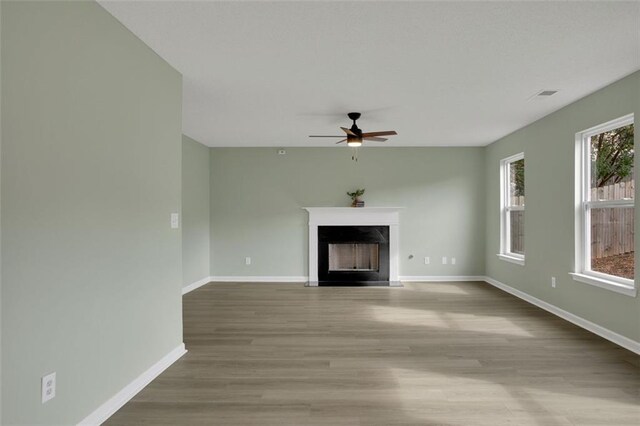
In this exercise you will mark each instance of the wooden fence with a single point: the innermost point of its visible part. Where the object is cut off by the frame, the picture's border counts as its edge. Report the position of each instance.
(517, 231)
(616, 191)
(517, 226)
(612, 228)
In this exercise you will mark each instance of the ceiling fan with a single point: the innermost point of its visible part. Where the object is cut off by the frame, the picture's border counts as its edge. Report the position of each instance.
(355, 137)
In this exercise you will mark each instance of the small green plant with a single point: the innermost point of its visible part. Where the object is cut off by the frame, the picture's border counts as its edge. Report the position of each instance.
(355, 196)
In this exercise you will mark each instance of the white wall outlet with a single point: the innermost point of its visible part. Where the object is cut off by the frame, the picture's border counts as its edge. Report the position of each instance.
(453, 260)
(282, 152)
(444, 260)
(247, 260)
(175, 220)
(48, 387)
(427, 260)
(553, 282)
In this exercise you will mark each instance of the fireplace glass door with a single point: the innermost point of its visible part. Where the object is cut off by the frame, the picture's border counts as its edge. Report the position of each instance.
(354, 257)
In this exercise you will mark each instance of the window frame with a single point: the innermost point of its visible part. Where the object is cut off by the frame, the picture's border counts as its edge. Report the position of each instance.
(584, 205)
(505, 208)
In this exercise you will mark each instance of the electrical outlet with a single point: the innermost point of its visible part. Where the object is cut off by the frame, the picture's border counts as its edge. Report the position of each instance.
(247, 261)
(48, 387)
(553, 282)
(175, 221)
(427, 260)
(444, 260)
(453, 260)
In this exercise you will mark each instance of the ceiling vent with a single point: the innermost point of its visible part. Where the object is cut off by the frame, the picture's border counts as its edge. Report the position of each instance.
(542, 94)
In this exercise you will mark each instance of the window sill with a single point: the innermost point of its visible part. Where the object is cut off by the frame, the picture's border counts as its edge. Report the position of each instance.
(606, 284)
(511, 259)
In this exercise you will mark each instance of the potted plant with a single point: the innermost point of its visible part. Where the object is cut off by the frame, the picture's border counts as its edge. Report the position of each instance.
(355, 198)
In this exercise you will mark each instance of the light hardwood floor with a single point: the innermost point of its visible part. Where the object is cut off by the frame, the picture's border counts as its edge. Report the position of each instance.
(426, 354)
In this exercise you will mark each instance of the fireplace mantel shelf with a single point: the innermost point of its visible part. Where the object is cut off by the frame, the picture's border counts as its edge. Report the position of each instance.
(353, 215)
(368, 209)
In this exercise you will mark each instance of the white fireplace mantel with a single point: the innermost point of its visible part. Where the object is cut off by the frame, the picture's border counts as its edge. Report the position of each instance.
(354, 216)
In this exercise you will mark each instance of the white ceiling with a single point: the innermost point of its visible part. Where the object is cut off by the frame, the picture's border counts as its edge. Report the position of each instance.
(440, 73)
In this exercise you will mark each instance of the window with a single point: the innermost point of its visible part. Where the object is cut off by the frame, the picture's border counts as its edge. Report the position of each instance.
(512, 209)
(605, 205)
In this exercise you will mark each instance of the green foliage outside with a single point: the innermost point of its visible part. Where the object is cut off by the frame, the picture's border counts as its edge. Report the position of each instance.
(612, 156)
(517, 177)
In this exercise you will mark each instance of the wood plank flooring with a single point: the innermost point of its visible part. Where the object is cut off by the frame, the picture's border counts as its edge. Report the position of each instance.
(425, 354)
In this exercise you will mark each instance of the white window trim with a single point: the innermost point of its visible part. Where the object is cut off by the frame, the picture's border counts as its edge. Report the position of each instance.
(511, 259)
(583, 204)
(505, 254)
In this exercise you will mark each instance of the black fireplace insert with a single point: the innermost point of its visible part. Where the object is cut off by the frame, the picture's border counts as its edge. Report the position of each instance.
(353, 255)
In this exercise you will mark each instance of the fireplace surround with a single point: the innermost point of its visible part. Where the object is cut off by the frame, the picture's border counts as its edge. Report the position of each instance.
(353, 246)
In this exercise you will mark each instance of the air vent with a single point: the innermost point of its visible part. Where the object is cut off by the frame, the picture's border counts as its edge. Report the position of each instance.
(542, 94)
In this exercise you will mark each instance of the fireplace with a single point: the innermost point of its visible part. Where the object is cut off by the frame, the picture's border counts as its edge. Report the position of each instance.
(353, 254)
(353, 246)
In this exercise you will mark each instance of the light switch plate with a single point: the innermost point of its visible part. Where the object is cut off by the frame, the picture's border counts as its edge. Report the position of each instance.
(175, 220)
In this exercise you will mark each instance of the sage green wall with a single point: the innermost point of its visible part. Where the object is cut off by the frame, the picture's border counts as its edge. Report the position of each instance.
(549, 147)
(195, 211)
(91, 271)
(257, 198)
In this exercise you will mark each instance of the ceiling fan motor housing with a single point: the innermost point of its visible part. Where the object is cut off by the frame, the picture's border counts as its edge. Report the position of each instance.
(354, 128)
(353, 115)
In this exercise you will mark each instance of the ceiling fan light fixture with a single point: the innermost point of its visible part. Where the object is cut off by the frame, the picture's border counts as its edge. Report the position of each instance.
(354, 136)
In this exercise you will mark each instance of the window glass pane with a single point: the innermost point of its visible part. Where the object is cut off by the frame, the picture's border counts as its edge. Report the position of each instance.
(612, 250)
(612, 165)
(516, 183)
(516, 221)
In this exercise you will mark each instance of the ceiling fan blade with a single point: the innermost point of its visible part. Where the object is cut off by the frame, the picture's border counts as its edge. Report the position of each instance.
(374, 139)
(385, 133)
(325, 136)
(349, 132)
(343, 140)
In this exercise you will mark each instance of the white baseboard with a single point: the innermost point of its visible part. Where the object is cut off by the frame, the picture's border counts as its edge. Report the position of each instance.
(106, 410)
(261, 279)
(197, 284)
(441, 278)
(304, 279)
(612, 336)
